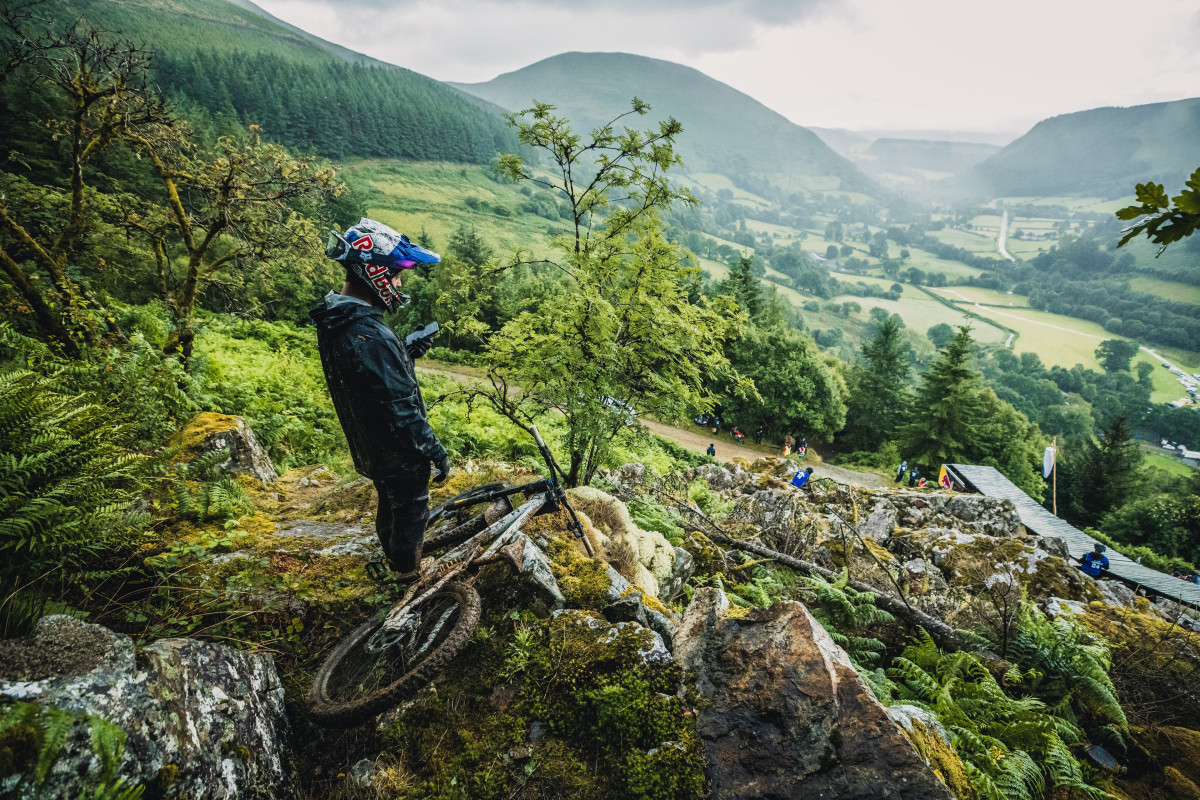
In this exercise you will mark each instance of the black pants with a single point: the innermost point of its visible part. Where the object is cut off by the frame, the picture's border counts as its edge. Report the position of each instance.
(403, 512)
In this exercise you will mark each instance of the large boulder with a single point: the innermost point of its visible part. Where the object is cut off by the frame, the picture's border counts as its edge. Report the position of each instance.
(784, 714)
(201, 720)
(209, 431)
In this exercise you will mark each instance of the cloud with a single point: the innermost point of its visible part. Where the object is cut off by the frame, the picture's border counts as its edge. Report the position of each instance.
(760, 11)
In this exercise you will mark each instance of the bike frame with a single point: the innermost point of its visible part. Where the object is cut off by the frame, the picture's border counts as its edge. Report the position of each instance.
(545, 496)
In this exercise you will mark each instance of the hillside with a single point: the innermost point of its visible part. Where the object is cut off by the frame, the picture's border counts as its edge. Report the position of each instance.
(917, 158)
(726, 131)
(1102, 151)
(225, 60)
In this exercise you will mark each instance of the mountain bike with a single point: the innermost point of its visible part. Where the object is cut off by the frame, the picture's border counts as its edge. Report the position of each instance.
(400, 649)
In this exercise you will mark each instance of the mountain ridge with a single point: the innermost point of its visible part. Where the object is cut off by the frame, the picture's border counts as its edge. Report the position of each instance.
(725, 130)
(1105, 151)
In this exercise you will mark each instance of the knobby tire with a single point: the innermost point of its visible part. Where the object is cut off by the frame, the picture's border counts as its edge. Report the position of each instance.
(333, 704)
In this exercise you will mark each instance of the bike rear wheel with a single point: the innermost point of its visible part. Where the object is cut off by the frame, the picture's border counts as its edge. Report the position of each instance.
(374, 669)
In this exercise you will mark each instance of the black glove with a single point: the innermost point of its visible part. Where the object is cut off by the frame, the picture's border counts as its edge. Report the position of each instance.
(418, 348)
(443, 468)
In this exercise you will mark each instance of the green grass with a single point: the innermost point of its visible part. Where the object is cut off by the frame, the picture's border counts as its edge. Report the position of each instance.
(921, 312)
(434, 196)
(928, 262)
(1085, 205)
(1168, 290)
(1066, 341)
(1166, 463)
(967, 240)
(713, 182)
(974, 294)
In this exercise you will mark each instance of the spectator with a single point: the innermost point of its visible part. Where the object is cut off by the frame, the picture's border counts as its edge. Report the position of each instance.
(712, 450)
(1094, 563)
(900, 472)
(758, 434)
(913, 474)
(801, 478)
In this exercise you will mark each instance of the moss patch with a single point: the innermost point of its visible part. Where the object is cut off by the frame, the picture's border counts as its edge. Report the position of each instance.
(941, 758)
(198, 430)
(564, 708)
(1167, 766)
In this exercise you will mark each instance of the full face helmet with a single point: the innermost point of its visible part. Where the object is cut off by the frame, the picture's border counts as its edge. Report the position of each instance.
(374, 253)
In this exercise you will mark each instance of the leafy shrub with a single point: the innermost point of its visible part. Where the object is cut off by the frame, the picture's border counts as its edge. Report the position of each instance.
(270, 373)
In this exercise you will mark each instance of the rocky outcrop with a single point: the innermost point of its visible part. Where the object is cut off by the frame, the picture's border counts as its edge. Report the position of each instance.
(209, 431)
(645, 558)
(201, 720)
(783, 713)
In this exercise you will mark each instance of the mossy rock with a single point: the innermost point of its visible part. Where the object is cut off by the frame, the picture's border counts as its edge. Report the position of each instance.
(1165, 762)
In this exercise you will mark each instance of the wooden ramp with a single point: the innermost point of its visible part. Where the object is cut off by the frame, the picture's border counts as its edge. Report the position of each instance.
(988, 481)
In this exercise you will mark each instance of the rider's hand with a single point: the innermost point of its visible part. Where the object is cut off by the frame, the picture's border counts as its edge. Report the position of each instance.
(443, 468)
(419, 348)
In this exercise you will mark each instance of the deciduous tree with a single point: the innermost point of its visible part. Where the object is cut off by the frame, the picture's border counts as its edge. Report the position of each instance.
(623, 328)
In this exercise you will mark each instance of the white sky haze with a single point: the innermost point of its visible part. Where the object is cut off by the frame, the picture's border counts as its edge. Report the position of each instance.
(857, 64)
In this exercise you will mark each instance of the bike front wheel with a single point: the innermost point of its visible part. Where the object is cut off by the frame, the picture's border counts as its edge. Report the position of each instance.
(376, 668)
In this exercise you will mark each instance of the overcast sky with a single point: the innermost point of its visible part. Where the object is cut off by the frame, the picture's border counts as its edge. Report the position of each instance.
(857, 64)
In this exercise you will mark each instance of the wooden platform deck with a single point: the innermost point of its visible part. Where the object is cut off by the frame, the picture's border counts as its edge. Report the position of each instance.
(988, 481)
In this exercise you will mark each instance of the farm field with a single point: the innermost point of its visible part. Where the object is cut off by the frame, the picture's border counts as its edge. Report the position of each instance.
(921, 312)
(928, 262)
(1086, 205)
(1067, 341)
(713, 182)
(1168, 290)
(975, 294)
(1156, 458)
(967, 240)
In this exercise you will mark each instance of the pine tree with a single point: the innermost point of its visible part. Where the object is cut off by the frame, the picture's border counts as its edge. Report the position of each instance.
(880, 392)
(948, 409)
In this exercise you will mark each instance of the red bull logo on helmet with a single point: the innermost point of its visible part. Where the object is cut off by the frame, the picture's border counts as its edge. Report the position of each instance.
(378, 276)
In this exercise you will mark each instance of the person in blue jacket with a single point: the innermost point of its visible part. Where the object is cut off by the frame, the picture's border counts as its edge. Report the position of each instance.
(1094, 563)
(712, 450)
(913, 474)
(374, 386)
(801, 478)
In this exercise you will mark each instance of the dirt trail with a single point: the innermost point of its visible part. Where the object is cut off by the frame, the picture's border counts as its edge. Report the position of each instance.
(697, 442)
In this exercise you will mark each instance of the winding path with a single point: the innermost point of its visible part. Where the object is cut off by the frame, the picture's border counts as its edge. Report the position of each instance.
(1003, 237)
(697, 442)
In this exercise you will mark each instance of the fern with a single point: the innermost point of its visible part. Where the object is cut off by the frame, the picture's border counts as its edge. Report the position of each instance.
(203, 492)
(846, 614)
(1014, 748)
(42, 732)
(67, 480)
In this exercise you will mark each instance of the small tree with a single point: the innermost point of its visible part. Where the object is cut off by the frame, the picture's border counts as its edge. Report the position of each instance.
(622, 328)
(1116, 354)
(880, 392)
(947, 410)
(103, 88)
(225, 212)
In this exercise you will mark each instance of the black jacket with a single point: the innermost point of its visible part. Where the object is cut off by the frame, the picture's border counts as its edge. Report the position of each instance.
(374, 389)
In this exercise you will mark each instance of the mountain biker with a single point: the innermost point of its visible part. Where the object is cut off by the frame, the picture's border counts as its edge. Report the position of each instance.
(374, 386)
(712, 450)
(1095, 562)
